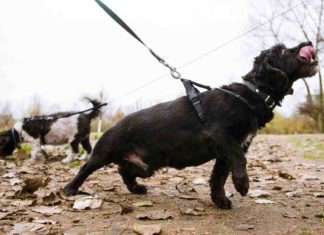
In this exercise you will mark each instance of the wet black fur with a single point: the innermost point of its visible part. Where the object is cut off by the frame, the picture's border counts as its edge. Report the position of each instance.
(171, 134)
(39, 126)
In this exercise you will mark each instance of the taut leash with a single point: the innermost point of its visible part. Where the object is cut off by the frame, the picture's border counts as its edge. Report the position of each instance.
(190, 86)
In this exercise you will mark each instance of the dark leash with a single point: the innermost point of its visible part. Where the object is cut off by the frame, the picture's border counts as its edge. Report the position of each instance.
(55, 117)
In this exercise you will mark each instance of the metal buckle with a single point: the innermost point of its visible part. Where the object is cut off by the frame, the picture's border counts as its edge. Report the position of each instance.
(272, 104)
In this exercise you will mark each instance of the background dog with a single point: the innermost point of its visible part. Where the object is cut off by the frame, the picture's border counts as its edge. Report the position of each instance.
(53, 129)
(171, 134)
(8, 142)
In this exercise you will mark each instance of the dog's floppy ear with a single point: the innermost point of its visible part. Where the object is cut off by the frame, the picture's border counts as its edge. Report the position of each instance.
(272, 78)
(275, 71)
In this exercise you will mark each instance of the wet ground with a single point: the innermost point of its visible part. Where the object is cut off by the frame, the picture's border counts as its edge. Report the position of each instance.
(286, 196)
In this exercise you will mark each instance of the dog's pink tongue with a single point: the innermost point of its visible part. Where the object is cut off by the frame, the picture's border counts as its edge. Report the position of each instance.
(307, 52)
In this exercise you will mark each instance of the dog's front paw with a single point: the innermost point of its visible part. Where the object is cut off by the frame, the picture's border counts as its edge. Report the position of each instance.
(222, 202)
(241, 184)
(138, 189)
(70, 191)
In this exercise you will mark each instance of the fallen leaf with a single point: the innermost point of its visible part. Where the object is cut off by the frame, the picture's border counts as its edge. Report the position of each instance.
(109, 189)
(21, 228)
(320, 195)
(258, 193)
(9, 175)
(293, 194)
(26, 170)
(201, 189)
(304, 166)
(176, 179)
(14, 181)
(320, 215)
(186, 196)
(289, 215)
(31, 185)
(47, 211)
(199, 181)
(143, 204)
(87, 203)
(155, 215)
(286, 175)
(277, 188)
(309, 177)
(190, 211)
(183, 187)
(264, 201)
(229, 193)
(181, 230)
(125, 209)
(44, 221)
(24, 203)
(244, 227)
(147, 229)
(51, 199)
(3, 215)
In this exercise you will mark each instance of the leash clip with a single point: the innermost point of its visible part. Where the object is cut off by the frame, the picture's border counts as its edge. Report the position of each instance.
(174, 73)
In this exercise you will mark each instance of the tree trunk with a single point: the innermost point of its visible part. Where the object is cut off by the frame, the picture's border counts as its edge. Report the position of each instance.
(321, 101)
(309, 97)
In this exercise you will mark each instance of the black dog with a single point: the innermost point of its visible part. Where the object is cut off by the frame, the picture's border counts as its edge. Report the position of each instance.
(54, 129)
(171, 134)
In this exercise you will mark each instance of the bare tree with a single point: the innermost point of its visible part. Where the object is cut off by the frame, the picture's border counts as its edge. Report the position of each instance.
(300, 21)
(6, 118)
(35, 107)
(103, 96)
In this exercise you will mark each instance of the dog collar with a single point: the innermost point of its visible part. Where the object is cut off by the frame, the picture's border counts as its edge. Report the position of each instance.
(13, 134)
(268, 100)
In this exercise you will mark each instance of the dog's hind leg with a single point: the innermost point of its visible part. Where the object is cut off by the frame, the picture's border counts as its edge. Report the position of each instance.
(217, 181)
(74, 151)
(128, 173)
(140, 168)
(35, 150)
(87, 147)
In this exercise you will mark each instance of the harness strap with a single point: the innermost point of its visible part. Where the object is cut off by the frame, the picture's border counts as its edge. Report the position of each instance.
(192, 94)
(245, 101)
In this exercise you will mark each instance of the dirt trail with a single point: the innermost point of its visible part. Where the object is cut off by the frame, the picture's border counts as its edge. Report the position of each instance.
(177, 202)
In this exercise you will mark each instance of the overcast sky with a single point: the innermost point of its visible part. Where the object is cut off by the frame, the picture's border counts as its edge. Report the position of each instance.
(61, 50)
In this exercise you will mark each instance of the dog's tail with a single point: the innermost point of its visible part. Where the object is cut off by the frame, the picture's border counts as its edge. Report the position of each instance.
(96, 111)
